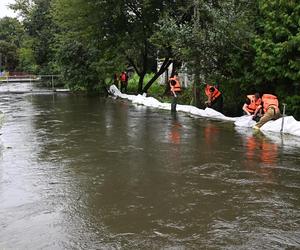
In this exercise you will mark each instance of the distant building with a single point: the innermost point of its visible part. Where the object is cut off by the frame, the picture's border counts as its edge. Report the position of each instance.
(185, 79)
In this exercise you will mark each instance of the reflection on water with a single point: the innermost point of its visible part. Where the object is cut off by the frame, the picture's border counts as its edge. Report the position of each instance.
(261, 155)
(211, 133)
(175, 130)
(90, 173)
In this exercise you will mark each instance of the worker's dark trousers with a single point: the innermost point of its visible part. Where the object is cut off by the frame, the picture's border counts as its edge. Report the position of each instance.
(173, 104)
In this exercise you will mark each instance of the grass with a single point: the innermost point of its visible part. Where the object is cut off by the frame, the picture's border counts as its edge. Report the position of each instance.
(157, 90)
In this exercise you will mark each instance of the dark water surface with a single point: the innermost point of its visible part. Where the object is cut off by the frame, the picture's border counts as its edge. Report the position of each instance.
(82, 172)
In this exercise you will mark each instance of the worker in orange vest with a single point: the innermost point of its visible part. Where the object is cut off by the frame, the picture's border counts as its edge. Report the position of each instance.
(124, 81)
(175, 88)
(271, 110)
(214, 98)
(253, 106)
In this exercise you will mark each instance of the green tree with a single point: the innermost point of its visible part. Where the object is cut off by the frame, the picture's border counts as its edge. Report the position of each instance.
(168, 31)
(277, 45)
(11, 35)
(212, 38)
(39, 25)
(11, 30)
(81, 47)
(117, 31)
(8, 56)
(26, 57)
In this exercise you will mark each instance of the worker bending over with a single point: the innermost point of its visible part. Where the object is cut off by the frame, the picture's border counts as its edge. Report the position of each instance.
(271, 110)
(214, 98)
(253, 106)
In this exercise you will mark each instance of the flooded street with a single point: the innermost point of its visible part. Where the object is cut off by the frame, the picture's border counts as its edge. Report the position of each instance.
(81, 172)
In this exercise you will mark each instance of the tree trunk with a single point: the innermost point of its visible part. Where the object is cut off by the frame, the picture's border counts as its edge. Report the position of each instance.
(196, 89)
(141, 81)
(162, 69)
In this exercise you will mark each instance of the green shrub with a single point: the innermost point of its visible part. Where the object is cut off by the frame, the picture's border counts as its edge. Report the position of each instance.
(293, 106)
(186, 96)
(155, 90)
(133, 83)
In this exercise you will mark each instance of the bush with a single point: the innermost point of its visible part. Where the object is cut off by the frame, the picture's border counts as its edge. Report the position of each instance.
(133, 82)
(293, 106)
(155, 90)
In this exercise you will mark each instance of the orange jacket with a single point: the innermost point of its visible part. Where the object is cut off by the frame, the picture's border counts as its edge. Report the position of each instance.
(176, 87)
(123, 77)
(212, 95)
(253, 104)
(270, 101)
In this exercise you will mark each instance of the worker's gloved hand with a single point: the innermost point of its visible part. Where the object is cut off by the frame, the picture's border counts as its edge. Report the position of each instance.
(255, 118)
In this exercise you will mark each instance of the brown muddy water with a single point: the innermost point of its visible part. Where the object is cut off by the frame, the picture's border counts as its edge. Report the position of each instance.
(82, 172)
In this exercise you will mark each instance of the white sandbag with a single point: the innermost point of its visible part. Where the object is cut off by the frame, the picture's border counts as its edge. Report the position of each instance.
(290, 125)
(244, 121)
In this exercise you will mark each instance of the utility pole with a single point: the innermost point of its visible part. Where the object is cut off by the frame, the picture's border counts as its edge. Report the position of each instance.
(283, 115)
(0, 61)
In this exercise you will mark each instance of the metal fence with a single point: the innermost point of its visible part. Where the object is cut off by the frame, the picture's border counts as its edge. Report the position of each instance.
(50, 81)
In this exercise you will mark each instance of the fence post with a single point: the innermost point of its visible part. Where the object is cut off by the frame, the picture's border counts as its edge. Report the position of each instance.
(283, 114)
(52, 82)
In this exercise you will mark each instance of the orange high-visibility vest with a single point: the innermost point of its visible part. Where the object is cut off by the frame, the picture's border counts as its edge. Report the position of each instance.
(253, 104)
(123, 77)
(270, 101)
(176, 87)
(212, 95)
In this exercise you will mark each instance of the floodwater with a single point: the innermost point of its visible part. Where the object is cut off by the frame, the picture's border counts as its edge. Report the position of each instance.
(81, 172)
